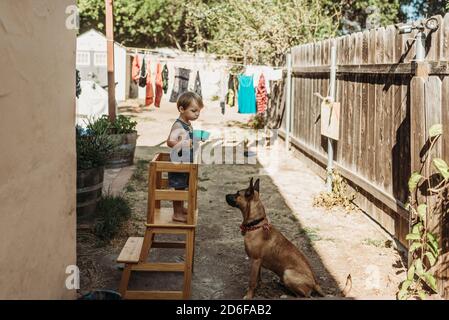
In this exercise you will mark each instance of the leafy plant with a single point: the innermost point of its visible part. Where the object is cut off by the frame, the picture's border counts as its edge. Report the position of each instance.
(424, 247)
(339, 196)
(257, 122)
(92, 150)
(121, 125)
(112, 212)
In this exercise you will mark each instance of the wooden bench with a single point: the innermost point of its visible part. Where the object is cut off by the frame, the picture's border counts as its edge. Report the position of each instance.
(136, 251)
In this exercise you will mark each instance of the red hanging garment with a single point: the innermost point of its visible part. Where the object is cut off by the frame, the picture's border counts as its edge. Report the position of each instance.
(149, 96)
(159, 85)
(261, 95)
(135, 73)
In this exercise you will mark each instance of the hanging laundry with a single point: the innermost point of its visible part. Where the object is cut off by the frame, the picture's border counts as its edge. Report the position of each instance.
(135, 73)
(181, 83)
(159, 85)
(197, 87)
(232, 89)
(246, 95)
(270, 74)
(165, 78)
(149, 95)
(261, 95)
(143, 75)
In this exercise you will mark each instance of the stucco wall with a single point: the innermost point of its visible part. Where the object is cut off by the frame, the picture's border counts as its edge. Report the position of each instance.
(37, 149)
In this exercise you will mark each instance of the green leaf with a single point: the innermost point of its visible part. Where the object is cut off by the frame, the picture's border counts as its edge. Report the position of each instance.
(414, 246)
(442, 167)
(413, 236)
(431, 258)
(422, 210)
(417, 228)
(422, 295)
(432, 241)
(406, 284)
(411, 272)
(436, 130)
(419, 267)
(403, 294)
(413, 181)
(434, 252)
(431, 281)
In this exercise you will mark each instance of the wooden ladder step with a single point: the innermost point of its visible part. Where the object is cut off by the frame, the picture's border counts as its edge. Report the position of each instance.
(131, 251)
(159, 266)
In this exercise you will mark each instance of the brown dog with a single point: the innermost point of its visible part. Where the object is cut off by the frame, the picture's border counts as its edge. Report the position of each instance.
(267, 247)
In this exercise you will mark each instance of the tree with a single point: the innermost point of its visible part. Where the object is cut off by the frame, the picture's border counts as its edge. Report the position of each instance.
(425, 8)
(260, 30)
(144, 23)
(358, 15)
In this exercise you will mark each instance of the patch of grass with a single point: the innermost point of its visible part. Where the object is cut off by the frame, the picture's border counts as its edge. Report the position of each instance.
(140, 174)
(311, 233)
(129, 188)
(112, 211)
(377, 243)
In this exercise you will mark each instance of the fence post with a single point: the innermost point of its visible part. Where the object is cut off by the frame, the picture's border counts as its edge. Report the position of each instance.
(330, 150)
(288, 100)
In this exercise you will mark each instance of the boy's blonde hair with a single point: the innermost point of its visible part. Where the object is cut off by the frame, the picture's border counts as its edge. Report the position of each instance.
(185, 100)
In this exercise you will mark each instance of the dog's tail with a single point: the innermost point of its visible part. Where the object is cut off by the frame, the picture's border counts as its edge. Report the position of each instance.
(348, 286)
(344, 292)
(318, 290)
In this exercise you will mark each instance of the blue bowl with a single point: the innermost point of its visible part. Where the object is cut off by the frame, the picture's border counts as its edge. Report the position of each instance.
(201, 135)
(102, 295)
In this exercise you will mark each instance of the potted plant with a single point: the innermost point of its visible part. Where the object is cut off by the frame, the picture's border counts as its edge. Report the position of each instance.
(123, 133)
(92, 152)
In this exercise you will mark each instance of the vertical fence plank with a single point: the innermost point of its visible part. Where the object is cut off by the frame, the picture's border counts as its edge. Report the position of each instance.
(434, 42)
(445, 38)
(379, 154)
(359, 104)
(443, 271)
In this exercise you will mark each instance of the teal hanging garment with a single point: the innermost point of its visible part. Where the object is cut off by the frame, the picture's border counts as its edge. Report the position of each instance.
(246, 95)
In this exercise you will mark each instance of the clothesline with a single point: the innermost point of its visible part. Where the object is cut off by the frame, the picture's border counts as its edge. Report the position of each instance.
(174, 59)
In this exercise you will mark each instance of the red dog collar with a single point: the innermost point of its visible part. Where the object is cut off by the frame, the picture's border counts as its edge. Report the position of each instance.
(265, 226)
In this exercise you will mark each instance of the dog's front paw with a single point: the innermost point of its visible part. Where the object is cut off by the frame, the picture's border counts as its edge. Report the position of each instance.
(248, 296)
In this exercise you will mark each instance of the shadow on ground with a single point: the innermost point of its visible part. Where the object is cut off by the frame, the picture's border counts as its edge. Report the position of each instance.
(221, 267)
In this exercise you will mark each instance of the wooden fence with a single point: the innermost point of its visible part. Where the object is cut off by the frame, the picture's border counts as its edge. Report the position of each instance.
(388, 102)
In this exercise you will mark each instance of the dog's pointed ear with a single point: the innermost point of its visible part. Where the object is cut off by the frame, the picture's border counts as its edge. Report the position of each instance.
(250, 190)
(256, 185)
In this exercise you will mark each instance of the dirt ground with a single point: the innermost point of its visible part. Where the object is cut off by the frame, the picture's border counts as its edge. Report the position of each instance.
(336, 243)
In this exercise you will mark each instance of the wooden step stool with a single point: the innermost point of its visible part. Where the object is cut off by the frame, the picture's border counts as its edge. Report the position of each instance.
(159, 221)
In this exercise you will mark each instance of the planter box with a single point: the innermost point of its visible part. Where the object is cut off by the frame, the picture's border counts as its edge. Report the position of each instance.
(89, 186)
(124, 155)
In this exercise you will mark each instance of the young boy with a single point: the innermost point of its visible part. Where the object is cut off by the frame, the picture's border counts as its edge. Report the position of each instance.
(181, 141)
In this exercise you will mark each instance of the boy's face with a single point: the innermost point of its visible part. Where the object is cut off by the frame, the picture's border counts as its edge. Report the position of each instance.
(191, 113)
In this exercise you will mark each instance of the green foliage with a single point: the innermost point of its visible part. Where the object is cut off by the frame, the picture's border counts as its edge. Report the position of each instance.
(112, 211)
(257, 122)
(424, 247)
(260, 30)
(121, 125)
(359, 14)
(142, 23)
(427, 8)
(92, 150)
(413, 181)
(78, 83)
